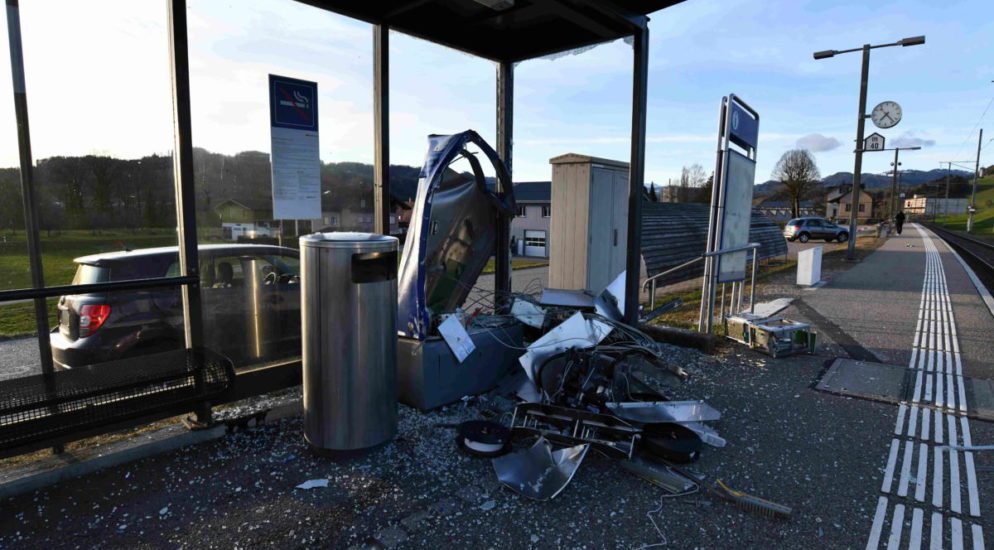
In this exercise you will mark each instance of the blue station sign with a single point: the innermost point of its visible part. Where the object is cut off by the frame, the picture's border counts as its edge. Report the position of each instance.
(743, 126)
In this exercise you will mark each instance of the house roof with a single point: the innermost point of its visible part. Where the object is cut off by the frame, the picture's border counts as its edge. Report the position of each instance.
(533, 191)
(837, 193)
(505, 30)
(249, 203)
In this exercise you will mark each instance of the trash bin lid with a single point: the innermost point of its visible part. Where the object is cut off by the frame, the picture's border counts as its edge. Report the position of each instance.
(367, 242)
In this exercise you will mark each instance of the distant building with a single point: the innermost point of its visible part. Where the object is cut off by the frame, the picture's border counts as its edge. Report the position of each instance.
(247, 218)
(530, 226)
(781, 210)
(676, 193)
(838, 204)
(919, 205)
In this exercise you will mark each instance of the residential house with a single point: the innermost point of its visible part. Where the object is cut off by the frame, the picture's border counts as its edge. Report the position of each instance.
(838, 204)
(247, 218)
(530, 225)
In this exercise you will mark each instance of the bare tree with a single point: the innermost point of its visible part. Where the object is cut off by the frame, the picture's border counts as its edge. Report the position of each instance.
(798, 174)
(691, 177)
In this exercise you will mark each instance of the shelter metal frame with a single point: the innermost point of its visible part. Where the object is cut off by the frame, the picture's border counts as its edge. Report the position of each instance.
(595, 22)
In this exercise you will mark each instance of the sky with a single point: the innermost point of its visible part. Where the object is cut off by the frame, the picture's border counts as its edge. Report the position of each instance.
(97, 77)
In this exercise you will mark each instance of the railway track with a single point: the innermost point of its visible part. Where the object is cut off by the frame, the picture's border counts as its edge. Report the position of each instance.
(979, 254)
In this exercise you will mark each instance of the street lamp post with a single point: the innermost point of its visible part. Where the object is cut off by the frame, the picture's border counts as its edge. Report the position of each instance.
(893, 185)
(860, 123)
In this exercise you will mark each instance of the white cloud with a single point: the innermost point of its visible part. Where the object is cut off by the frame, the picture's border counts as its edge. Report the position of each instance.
(817, 143)
(911, 139)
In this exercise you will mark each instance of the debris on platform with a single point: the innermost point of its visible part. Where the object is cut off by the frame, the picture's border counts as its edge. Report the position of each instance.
(313, 484)
(774, 336)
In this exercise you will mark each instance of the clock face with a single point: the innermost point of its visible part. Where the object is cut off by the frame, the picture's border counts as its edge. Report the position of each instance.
(886, 114)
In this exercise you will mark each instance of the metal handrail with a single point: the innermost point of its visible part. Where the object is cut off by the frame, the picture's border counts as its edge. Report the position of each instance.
(131, 284)
(651, 281)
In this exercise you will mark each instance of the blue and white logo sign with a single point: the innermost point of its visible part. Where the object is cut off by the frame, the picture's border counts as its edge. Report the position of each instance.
(293, 103)
(744, 128)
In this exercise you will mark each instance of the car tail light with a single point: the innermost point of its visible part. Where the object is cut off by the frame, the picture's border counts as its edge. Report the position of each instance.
(91, 318)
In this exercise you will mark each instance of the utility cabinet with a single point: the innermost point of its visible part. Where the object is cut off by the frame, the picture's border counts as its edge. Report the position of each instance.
(589, 226)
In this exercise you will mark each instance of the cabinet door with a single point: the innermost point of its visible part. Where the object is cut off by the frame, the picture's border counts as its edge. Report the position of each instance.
(619, 216)
(600, 229)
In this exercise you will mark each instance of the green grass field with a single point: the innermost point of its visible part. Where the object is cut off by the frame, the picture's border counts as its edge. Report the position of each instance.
(58, 252)
(983, 221)
(517, 263)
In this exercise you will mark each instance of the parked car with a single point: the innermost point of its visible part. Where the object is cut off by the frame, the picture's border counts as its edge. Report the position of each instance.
(813, 227)
(250, 296)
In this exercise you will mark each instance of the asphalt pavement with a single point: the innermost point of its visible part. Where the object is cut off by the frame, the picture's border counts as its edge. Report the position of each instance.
(19, 357)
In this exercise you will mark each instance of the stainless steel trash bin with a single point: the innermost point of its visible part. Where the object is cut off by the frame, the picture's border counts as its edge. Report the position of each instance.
(349, 340)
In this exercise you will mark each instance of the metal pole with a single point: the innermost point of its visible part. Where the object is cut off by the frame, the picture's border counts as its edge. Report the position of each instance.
(856, 176)
(28, 198)
(752, 284)
(652, 295)
(186, 200)
(945, 207)
(721, 310)
(636, 174)
(505, 148)
(893, 184)
(381, 129)
(707, 290)
(973, 195)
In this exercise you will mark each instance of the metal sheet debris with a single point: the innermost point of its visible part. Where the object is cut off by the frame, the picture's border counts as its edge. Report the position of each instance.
(313, 484)
(575, 332)
(539, 472)
(610, 302)
(660, 475)
(456, 337)
(651, 412)
(528, 313)
(566, 298)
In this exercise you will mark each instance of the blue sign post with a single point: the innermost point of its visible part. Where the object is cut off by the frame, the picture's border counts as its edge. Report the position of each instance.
(295, 156)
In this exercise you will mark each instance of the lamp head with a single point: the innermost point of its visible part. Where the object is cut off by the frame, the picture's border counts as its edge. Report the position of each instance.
(912, 41)
(824, 54)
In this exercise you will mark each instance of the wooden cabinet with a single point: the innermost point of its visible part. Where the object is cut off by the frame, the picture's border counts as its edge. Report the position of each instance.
(589, 226)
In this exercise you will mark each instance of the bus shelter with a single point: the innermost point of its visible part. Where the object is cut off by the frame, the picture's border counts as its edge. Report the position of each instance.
(503, 31)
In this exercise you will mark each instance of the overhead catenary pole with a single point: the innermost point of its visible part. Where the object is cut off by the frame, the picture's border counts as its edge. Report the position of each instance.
(28, 198)
(857, 169)
(973, 194)
(636, 174)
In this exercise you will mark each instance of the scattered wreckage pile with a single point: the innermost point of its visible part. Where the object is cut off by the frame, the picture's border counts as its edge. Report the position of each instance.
(586, 382)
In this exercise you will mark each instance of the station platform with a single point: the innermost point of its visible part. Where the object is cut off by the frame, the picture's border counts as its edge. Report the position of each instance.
(913, 303)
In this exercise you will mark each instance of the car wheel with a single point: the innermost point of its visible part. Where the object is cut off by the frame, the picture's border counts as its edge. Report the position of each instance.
(843, 237)
(803, 237)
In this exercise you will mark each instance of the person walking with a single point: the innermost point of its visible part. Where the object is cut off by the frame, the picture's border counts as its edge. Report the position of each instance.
(899, 221)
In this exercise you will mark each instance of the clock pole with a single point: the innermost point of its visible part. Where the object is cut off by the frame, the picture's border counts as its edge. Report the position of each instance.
(857, 169)
(864, 76)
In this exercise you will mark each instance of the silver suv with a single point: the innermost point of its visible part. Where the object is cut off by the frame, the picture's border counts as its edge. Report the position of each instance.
(813, 227)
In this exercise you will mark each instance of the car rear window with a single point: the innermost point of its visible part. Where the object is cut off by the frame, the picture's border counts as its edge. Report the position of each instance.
(794, 222)
(87, 274)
